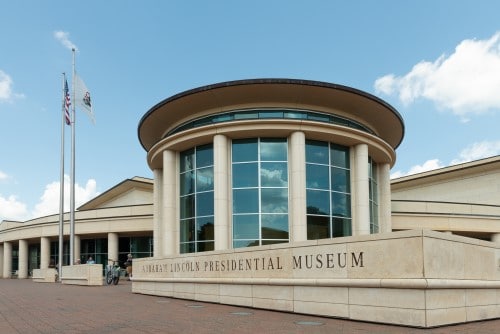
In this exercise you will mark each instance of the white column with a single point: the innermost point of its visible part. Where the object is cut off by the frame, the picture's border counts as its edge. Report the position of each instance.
(361, 216)
(496, 238)
(297, 184)
(1, 261)
(113, 246)
(170, 224)
(157, 212)
(221, 193)
(384, 188)
(44, 252)
(7, 259)
(23, 259)
(78, 248)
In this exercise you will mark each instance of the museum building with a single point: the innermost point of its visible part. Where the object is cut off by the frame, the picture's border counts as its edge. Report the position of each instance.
(276, 193)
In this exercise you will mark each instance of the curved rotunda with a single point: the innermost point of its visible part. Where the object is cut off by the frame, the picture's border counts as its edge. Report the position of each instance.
(265, 161)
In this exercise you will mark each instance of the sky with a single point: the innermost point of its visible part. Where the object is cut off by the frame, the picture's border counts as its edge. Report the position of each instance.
(436, 61)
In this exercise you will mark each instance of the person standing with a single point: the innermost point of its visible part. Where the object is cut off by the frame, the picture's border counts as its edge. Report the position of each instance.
(128, 264)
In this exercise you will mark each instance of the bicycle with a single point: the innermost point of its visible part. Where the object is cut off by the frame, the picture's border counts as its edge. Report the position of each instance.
(112, 272)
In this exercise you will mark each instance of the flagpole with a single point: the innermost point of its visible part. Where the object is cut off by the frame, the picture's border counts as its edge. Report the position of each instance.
(72, 190)
(61, 182)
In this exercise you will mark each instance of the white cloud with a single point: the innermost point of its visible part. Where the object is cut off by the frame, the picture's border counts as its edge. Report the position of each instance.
(426, 166)
(466, 82)
(478, 151)
(63, 37)
(12, 209)
(49, 202)
(5, 87)
(3, 176)
(475, 151)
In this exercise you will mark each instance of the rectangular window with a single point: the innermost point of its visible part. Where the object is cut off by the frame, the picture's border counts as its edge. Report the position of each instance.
(196, 181)
(260, 191)
(328, 188)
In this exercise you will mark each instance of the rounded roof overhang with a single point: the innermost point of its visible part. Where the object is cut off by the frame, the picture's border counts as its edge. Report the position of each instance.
(348, 102)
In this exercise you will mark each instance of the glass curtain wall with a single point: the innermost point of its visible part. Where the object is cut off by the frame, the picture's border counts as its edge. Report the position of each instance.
(328, 190)
(137, 246)
(15, 258)
(260, 191)
(197, 199)
(54, 253)
(97, 248)
(33, 258)
(372, 170)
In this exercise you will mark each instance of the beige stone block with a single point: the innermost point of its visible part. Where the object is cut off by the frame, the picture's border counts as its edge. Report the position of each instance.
(445, 316)
(206, 289)
(207, 298)
(273, 304)
(272, 292)
(389, 258)
(164, 287)
(443, 259)
(332, 295)
(444, 298)
(391, 298)
(480, 263)
(233, 290)
(235, 300)
(475, 313)
(479, 297)
(322, 309)
(388, 315)
(184, 290)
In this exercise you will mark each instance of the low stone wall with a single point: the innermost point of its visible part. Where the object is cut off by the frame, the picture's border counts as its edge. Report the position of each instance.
(82, 274)
(412, 278)
(47, 275)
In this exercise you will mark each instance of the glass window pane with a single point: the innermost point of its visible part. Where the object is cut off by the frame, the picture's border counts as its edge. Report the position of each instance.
(318, 202)
(187, 183)
(340, 156)
(274, 200)
(273, 174)
(204, 156)
(341, 205)
(317, 177)
(186, 162)
(245, 227)
(245, 150)
(187, 247)
(205, 228)
(246, 115)
(295, 114)
(319, 117)
(205, 204)
(273, 149)
(187, 206)
(318, 227)
(222, 118)
(317, 152)
(187, 230)
(245, 175)
(274, 227)
(245, 201)
(341, 180)
(245, 243)
(205, 246)
(271, 114)
(205, 179)
(341, 227)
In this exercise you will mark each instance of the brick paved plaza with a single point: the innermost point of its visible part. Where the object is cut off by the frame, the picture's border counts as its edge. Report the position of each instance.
(28, 307)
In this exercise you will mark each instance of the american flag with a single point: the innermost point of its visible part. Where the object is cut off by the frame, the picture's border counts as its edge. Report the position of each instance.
(67, 103)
